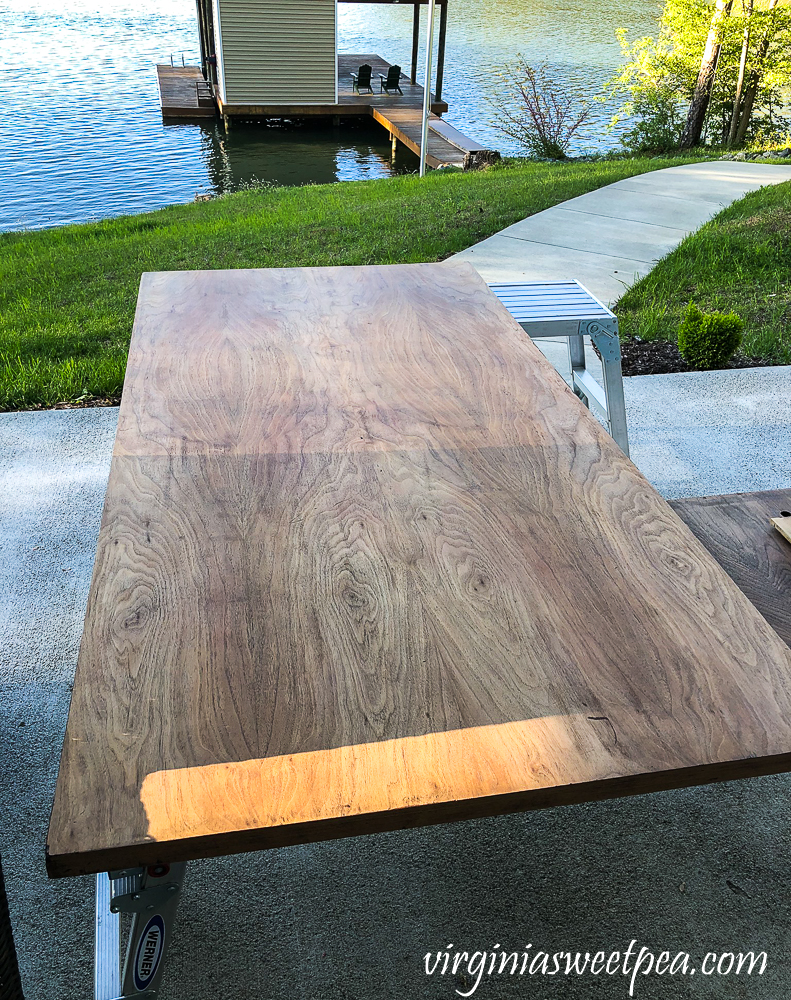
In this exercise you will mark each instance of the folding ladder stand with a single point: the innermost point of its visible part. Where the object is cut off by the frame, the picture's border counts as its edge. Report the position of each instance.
(567, 309)
(150, 896)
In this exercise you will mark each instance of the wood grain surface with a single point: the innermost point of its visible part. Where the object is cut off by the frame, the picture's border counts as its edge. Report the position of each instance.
(365, 562)
(736, 529)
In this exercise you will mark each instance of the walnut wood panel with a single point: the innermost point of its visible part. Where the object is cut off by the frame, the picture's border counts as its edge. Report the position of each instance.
(736, 529)
(365, 562)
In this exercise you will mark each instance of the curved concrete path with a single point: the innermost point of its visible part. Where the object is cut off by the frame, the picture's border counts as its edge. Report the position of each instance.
(609, 238)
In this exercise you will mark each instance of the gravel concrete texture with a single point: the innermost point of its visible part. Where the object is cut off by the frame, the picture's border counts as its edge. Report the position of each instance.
(700, 433)
(696, 870)
(609, 238)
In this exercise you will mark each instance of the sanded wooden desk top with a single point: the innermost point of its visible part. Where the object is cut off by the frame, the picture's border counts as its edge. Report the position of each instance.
(366, 563)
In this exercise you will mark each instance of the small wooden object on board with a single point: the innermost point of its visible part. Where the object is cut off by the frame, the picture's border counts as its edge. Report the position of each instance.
(783, 524)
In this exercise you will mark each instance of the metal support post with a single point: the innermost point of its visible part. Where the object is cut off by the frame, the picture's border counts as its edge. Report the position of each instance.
(150, 895)
(202, 37)
(107, 951)
(608, 344)
(577, 351)
(427, 86)
(443, 27)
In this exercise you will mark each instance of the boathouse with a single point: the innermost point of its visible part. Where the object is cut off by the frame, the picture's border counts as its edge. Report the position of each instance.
(280, 57)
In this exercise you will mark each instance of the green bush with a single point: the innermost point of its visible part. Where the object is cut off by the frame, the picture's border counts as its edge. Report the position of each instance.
(658, 121)
(709, 340)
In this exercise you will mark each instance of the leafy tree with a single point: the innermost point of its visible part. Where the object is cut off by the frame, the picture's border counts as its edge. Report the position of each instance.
(651, 78)
(770, 63)
(701, 95)
(723, 65)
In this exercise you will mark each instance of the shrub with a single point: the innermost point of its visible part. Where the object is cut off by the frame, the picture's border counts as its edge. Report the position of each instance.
(709, 340)
(536, 112)
(658, 121)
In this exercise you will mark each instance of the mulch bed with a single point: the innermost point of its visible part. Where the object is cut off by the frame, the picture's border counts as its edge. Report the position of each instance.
(660, 357)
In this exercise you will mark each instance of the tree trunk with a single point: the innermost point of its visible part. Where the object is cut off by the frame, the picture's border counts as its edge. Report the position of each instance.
(708, 67)
(737, 97)
(755, 79)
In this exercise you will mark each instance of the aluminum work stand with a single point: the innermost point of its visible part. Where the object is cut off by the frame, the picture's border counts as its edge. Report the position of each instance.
(567, 309)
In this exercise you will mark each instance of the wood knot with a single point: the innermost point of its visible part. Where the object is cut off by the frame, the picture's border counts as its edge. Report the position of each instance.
(354, 598)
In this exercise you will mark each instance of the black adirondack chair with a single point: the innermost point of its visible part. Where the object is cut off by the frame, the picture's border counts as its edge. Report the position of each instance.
(392, 81)
(362, 78)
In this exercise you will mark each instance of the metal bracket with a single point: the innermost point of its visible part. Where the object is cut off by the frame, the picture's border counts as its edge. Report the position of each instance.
(605, 336)
(128, 894)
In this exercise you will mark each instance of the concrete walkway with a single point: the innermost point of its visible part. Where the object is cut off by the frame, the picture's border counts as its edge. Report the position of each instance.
(609, 238)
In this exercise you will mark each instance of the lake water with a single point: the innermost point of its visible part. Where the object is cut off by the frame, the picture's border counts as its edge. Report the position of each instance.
(83, 137)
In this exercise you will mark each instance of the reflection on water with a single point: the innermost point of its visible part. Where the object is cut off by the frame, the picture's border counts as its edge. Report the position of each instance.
(298, 153)
(83, 136)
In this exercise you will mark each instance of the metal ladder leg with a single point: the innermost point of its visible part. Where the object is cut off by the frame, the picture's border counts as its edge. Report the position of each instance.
(107, 964)
(608, 345)
(616, 404)
(577, 361)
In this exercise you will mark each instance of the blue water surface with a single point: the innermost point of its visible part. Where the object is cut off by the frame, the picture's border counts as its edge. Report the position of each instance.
(83, 137)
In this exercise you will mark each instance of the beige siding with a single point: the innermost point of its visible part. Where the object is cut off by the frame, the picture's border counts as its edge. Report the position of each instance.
(278, 52)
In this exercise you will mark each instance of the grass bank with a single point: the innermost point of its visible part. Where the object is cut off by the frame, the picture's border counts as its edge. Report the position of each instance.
(740, 261)
(67, 295)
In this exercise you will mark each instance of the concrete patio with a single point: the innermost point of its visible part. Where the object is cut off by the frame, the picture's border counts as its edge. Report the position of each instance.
(703, 869)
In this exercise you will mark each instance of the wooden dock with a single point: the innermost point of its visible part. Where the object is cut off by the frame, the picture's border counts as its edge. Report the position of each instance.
(185, 94)
(402, 115)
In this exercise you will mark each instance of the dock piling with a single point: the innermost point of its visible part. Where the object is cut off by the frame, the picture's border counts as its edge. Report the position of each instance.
(443, 28)
(415, 43)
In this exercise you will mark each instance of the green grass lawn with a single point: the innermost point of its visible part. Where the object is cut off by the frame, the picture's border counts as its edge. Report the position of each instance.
(740, 261)
(67, 295)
